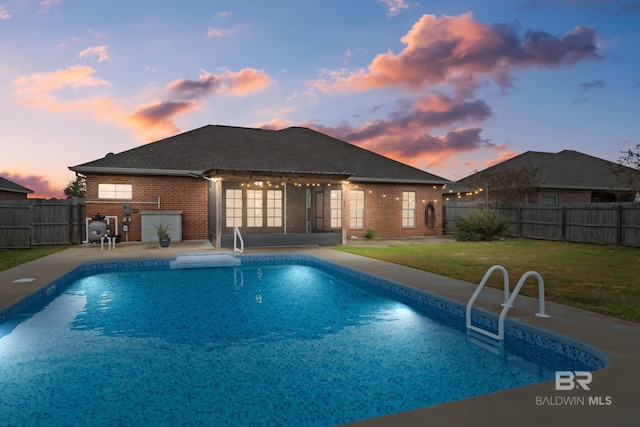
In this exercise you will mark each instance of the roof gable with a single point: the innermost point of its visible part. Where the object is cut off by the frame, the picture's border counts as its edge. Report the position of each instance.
(296, 150)
(10, 186)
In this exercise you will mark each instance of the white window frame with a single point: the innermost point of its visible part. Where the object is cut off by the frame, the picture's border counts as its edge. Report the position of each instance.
(335, 208)
(115, 191)
(233, 205)
(356, 209)
(274, 208)
(254, 208)
(408, 209)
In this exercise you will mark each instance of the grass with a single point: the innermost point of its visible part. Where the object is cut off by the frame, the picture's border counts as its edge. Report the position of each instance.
(602, 279)
(10, 258)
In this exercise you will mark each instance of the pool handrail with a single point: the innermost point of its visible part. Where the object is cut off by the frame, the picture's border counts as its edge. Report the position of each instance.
(237, 236)
(508, 303)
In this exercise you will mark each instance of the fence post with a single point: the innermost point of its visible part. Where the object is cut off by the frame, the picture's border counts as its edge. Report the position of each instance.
(618, 225)
(563, 227)
(519, 221)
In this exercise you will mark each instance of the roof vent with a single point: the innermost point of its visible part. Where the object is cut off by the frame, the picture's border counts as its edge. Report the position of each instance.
(109, 155)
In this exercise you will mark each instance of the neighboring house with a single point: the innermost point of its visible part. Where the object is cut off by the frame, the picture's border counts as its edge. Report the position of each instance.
(294, 186)
(9, 190)
(558, 178)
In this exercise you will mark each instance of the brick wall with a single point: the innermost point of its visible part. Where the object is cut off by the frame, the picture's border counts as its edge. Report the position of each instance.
(185, 194)
(383, 210)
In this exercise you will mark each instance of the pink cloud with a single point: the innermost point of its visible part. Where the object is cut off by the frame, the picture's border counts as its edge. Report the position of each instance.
(156, 119)
(3, 13)
(395, 6)
(275, 124)
(96, 51)
(457, 49)
(153, 120)
(239, 83)
(444, 61)
(41, 186)
(502, 156)
(75, 77)
(408, 133)
(219, 32)
(46, 4)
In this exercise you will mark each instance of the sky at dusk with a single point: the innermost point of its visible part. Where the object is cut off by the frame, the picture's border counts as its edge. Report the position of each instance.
(447, 86)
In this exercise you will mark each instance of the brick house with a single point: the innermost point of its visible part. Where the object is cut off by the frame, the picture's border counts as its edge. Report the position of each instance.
(294, 186)
(9, 190)
(559, 178)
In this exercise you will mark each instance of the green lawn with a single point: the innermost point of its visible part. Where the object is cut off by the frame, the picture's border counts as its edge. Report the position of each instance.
(603, 279)
(10, 258)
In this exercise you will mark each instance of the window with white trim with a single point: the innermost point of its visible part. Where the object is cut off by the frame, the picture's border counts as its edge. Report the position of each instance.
(254, 208)
(409, 209)
(336, 208)
(356, 208)
(274, 208)
(115, 191)
(233, 211)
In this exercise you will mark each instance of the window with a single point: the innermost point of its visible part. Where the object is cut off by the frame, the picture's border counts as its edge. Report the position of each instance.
(336, 208)
(274, 208)
(550, 199)
(115, 191)
(356, 209)
(233, 212)
(409, 209)
(254, 208)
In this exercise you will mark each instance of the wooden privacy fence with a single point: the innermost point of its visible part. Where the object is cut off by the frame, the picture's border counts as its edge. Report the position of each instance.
(604, 223)
(26, 223)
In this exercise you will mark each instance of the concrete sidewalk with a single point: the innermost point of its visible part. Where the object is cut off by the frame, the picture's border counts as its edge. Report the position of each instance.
(620, 340)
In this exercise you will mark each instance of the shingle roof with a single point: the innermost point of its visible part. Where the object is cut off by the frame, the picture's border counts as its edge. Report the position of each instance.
(219, 149)
(567, 169)
(6, 185)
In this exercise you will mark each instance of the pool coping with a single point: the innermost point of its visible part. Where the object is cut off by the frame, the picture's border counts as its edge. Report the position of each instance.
(618, 383)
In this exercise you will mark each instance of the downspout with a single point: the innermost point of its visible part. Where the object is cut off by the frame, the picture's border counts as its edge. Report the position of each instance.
(218, 184)
(345, 194)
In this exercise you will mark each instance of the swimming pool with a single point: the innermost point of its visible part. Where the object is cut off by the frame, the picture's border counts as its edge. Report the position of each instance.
(279, 340)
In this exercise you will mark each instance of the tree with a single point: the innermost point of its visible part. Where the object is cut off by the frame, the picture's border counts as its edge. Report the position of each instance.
(508, 185)
(628, 168)
(76, 188)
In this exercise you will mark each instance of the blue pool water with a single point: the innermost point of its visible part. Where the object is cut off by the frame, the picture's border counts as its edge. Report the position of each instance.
(273, 342)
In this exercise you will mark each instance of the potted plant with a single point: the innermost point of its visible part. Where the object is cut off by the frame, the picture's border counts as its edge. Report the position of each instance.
(162, 231)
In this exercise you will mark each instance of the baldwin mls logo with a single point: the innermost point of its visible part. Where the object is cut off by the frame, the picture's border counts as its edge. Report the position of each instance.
(573, 380)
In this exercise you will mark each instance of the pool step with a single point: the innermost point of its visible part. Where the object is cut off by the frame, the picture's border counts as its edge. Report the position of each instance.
(205, 259)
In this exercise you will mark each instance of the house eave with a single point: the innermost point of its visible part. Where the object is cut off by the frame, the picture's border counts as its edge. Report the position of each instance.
(399, 180)
(135, 171)
(15, 190)
(220, 173)
(581, 188)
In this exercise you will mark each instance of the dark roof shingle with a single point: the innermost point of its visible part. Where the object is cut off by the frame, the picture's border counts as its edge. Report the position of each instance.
(567, 169)
(225, 148)
(6, 185)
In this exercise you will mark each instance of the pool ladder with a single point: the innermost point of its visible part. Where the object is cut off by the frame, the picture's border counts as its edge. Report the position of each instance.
(237, 237)
(508, 300)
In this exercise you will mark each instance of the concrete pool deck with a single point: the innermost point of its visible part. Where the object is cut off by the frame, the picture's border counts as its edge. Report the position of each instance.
(613, 398)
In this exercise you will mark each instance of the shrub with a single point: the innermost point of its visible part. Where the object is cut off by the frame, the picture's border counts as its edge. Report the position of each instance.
(370, 234)
(483, 225)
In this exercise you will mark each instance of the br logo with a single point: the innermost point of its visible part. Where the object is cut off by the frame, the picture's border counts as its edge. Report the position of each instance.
(568, 380)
